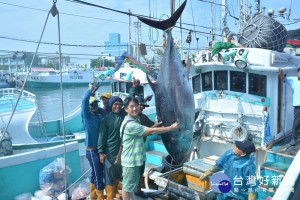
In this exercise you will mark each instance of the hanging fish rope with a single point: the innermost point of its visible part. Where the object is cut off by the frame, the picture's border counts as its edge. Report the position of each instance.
(55, 12)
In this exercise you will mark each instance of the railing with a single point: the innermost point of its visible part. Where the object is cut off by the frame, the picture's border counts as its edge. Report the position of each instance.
(10, 95)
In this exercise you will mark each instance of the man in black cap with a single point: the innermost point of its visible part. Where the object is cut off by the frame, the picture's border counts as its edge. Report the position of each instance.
(238, 164)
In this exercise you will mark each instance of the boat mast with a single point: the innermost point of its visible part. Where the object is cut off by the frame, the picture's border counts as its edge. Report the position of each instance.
(224, 13)
(212, 23)
(129, 34)
(172, 6)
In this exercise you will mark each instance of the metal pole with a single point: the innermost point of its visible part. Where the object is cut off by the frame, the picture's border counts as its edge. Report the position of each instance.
(129, 35)
(224, 13)
(212, 23)
(172, 6)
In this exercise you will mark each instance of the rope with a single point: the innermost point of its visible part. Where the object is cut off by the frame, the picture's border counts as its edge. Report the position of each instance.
(29, 70)
(55, 12)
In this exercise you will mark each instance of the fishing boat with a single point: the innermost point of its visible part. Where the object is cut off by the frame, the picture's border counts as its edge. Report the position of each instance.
(18, 124)
(239, 96)
(71, 77)
(24, 154)
(238, 102)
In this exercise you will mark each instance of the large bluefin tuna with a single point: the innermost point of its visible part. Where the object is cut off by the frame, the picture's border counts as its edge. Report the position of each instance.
(173, 95)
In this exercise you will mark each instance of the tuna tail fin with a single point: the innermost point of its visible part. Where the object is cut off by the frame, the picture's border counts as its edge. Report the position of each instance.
(152, 85)
(165, 24)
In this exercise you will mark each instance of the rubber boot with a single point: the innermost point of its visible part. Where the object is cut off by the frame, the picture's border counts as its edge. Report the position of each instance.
(93, 195)
(100, 195)
(116, 191)
(109, 192)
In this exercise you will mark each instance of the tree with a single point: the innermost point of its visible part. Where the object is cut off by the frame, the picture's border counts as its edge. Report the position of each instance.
(49, 65)
(2, 67)
(28, 60)
(100, 62)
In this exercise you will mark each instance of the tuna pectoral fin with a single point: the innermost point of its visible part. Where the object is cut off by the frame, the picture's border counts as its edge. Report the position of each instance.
(151, 84)
(166, 24)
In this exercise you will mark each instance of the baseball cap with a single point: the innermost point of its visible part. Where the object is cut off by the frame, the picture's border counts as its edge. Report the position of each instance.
(92, 100)
(246, 146)
(141, 100)
(107, 95)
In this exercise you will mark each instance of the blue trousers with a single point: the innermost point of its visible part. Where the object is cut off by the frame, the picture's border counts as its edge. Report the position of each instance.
(97, 169)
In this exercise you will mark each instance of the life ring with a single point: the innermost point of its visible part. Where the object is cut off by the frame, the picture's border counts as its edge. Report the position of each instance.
(239, 133)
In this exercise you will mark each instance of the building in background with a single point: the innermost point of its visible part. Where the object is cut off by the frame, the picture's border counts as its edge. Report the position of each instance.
(13, 62)
(115, 47)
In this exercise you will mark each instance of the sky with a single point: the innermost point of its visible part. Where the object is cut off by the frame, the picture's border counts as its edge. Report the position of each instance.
(86, 25)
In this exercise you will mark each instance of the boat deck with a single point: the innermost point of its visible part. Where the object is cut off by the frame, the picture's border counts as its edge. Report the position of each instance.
(7, 104)
(283, 147)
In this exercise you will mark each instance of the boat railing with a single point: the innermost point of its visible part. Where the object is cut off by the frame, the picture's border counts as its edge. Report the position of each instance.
(122, 95)
(14, 91)
(290, 181)
(11, 94)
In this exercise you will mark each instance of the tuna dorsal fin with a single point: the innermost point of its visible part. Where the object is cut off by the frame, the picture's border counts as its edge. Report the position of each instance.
(165, 24)
(152, 85)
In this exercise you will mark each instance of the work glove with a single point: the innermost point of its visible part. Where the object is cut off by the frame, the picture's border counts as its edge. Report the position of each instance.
(208, 173)
(94, 87)
(251, 196)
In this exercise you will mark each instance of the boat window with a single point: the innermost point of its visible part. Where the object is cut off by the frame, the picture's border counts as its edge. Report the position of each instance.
(221, 80)
(116, 87)
(257, 84)
(238, 81)
(128, 86)
(122, 75)
(196, 84)
(207, 81)
(121, 87)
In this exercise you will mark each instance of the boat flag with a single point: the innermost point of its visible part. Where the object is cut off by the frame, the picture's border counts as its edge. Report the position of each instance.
(142, 67)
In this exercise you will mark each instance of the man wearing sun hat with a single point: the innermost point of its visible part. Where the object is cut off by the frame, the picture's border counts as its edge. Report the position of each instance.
(91, 119)
(238, 164)
(105, 100)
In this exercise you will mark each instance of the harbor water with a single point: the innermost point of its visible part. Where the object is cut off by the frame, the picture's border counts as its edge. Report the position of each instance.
(50, 102)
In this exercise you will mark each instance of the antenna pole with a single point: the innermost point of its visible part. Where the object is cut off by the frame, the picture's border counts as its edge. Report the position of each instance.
(172, 6)
(224, 13)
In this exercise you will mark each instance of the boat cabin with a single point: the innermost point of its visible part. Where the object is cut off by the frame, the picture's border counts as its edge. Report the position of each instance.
(121, 82)
(237, 102)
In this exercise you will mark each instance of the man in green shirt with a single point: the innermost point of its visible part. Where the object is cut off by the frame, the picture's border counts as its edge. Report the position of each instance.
(109, 145)
(145, 121)
(133, 153)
